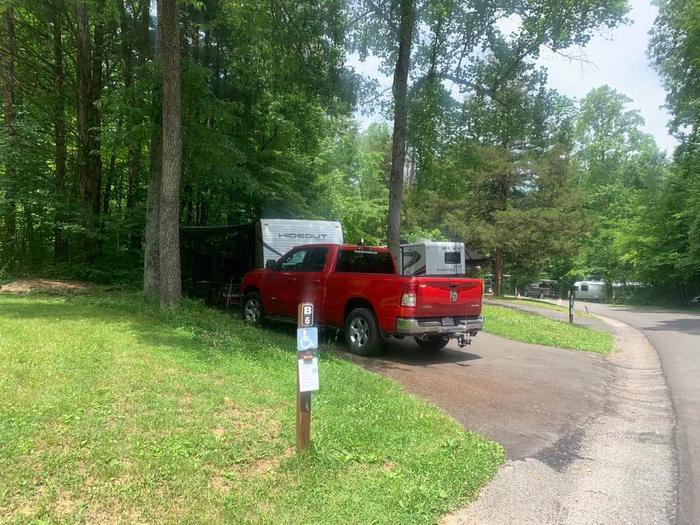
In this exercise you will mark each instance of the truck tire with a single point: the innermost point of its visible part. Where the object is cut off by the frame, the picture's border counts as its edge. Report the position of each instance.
(362, 332)
(434, 343)
(252, 308)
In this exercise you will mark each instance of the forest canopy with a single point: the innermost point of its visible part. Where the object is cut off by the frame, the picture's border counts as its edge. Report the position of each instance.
(247, 109)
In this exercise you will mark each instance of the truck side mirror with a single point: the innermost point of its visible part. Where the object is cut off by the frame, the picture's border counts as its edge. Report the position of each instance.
(271, 264)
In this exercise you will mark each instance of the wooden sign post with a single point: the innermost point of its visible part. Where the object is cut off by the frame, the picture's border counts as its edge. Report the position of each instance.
(307, 372)
(571, 307)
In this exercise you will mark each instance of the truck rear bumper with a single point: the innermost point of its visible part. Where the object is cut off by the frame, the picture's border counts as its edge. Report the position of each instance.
(408, 326)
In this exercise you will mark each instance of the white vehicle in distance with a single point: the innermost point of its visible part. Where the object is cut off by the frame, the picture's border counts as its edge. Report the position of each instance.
(589, 290)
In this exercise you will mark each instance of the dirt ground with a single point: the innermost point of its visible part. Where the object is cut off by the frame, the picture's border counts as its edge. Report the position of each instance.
(22, 286)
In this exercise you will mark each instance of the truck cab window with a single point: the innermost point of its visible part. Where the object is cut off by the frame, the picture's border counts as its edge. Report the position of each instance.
(293, 262)
(364, 261)
(316, 260)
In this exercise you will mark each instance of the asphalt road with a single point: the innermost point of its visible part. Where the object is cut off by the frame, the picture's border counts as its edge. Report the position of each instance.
(526, 397)
(676, 338)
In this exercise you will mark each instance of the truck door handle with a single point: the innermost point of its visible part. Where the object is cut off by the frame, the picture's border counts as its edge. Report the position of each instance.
(291, 279)
(317, 281)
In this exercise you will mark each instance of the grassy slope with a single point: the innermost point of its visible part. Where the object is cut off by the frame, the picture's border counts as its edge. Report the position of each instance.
(532, 328)
(110, 411)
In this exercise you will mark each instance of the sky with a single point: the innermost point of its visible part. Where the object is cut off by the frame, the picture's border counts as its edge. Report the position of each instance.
(616, 58)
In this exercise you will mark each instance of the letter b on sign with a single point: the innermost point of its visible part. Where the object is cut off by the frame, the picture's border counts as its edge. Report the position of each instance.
(305, 314)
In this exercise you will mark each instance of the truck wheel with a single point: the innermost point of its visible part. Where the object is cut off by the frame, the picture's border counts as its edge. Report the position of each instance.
(362, 332)
(252, 308)
(433, 343)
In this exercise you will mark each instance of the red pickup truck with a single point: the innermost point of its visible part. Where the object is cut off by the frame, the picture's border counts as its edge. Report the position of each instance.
(357, 289)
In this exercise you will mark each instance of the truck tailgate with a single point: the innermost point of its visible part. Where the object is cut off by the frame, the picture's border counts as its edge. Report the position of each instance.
(444, 296)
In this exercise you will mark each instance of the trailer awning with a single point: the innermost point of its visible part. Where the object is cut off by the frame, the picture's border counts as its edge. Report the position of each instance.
(204, 231)
(474, 258)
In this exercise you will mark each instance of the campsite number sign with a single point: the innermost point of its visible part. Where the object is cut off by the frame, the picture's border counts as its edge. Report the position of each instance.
(307, 372)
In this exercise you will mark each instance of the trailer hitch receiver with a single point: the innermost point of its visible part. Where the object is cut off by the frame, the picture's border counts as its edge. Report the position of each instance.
(464, 339)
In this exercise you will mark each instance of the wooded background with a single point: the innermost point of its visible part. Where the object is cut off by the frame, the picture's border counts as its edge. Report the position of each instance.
(101, 98)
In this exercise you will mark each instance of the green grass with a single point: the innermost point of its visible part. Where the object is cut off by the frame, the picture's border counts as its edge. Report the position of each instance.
(532, 328)
(535, 302)
(546, 305)
(113, 412)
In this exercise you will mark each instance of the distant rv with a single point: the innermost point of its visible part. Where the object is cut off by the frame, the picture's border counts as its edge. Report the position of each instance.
(590, 290)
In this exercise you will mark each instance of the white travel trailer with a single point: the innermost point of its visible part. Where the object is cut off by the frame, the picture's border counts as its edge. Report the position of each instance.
(275, 237)
(589, 290)
(433, 258)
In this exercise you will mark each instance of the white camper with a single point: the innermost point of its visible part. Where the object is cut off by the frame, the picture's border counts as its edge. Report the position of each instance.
(433, 258)
(275, 237)
(589, 290)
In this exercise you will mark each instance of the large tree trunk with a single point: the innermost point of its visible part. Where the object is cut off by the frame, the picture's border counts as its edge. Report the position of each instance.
(7, 61)
(59, 128)
(89, 83)
(398, 148)
(151, 259)
(169, 213)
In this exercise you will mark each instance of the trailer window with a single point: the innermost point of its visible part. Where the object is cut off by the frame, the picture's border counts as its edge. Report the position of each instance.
(453, 258)
(364, 261)
(584, 287)
(316, 260)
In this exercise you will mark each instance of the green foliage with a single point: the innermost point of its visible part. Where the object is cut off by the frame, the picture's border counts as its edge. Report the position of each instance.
(505, 186)
(113, 411)
(519, 172)
(354, 188)
(621, 172)
(671, 228)
(261, 87)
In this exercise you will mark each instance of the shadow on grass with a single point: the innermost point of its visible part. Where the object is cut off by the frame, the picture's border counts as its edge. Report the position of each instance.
(138, 318)
(151, 327)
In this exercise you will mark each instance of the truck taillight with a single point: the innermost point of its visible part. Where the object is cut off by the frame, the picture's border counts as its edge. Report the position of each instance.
(408, 298)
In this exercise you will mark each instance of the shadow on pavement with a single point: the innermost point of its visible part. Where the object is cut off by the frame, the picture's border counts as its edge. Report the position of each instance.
(405, 354)
(687, 326)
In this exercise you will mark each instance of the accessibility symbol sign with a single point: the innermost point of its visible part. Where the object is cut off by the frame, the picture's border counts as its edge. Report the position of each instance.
(307, 338)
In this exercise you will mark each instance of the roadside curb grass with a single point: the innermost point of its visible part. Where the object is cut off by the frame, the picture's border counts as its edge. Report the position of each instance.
(532, 328)
(114, 411)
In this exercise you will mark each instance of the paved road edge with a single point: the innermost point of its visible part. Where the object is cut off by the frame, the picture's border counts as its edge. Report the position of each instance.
(619, 467)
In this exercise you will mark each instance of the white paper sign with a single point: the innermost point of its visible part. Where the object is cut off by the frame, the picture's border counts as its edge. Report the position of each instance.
(308, 375)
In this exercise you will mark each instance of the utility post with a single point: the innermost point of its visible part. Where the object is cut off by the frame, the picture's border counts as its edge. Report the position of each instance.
(571, 306)
(307, 372)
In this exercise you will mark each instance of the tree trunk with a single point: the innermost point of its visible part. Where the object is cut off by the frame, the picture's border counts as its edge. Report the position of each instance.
(498, 273)
(502, 204)
(89, 83)
(7, 56)
(151, 259)
(398, 148)
(169, 212)
(133, 146)
(60, 245)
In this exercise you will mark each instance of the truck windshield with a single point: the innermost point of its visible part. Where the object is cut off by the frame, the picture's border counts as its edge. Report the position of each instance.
(364, 261)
